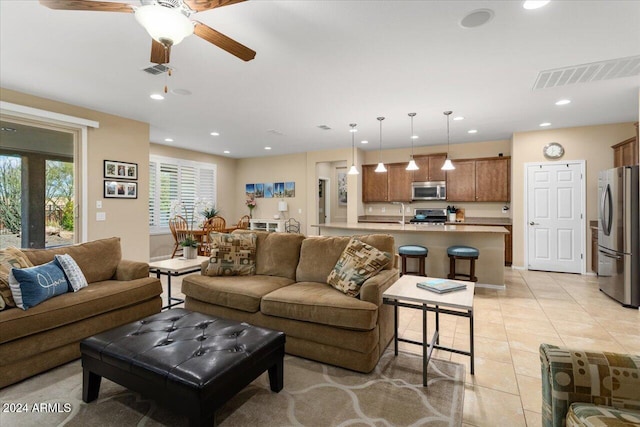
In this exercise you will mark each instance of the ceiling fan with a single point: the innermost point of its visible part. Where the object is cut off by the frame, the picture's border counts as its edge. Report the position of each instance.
(166, 21)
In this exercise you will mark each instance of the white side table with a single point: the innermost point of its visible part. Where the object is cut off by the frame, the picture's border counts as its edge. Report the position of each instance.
(457, 303)
(175, 267)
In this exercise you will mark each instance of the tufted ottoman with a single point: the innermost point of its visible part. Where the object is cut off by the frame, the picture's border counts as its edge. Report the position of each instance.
(187, 361)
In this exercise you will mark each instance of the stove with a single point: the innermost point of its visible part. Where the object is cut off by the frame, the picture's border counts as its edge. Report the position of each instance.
(429, 216)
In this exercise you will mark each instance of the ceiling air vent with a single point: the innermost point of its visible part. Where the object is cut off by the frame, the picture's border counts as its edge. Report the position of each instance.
(156, 69)
(324, 127)
(585, 73)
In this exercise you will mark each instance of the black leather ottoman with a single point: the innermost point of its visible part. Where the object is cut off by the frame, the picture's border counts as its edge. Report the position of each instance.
(187, 361)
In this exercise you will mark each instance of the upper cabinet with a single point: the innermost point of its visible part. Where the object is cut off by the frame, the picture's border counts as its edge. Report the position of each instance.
(480, 180)
(399, 182)
(625, 153)
(374, 185)
(429, 168)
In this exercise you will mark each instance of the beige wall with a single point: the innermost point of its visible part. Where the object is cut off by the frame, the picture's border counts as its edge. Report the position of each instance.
(589, 143)
(285, 168)
(161, 245)
(117, 138)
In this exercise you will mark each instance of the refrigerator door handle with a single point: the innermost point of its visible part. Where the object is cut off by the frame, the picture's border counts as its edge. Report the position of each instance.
(606, 218)
(606, 254)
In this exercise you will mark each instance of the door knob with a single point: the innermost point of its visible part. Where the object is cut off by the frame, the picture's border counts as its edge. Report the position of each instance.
(533, 223)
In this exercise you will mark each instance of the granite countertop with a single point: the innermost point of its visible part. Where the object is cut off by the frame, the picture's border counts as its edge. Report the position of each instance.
(395, 227)
(395, 219)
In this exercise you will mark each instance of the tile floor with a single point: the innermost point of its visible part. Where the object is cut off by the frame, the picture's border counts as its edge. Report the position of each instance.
(536, 307)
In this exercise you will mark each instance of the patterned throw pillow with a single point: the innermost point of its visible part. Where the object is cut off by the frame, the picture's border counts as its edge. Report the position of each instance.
(33, 285)
(232, 255)
(358, 262)
(10, 258)
(72, 272)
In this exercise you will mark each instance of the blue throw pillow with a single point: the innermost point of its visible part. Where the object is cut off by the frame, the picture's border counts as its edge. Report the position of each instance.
(33, 285)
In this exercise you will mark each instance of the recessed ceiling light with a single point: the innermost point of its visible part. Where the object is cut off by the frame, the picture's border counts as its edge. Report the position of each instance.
(168, 140)
(563, 102)
(267, 148)
(534, 4)
(156, 96)
(545, 124)
(215, 134)
(476, 18)
(458, 118)
(226, 151)
(472, 131)
(364, 142)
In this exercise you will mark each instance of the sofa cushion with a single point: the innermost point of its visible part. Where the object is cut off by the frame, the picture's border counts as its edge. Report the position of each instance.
(357, 263)
(238, 292)
(278, 254)
(319, 303)
(72, 272)
(589, 414)
(98, 259)
(10, 258)
(318, 256)
(32, 285)
(231, 255)
(97, 298)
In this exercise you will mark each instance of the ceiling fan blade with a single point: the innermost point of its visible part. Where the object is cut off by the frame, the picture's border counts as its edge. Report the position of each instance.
(158, 53)
(201, 5)
(233, 47)
(98, 6)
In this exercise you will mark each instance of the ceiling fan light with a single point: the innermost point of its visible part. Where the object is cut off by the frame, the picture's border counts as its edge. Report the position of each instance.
(380, 168)
(448, 166)
(353, 170)
(164, 24)
(412, 166)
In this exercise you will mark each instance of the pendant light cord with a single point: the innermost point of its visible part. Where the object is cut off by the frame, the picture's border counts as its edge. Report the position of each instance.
(380, 119)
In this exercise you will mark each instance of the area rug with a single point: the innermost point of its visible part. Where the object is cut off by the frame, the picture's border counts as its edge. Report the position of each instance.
(314, 394)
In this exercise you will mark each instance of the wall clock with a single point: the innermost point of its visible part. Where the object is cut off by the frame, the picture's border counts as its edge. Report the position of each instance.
(553, 150)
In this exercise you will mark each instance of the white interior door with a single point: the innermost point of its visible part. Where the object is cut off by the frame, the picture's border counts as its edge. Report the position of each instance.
(555, 205)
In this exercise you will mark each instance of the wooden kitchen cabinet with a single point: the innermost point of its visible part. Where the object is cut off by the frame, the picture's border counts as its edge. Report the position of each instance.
(625, 153)
(374, 185)
(399, 182)
(461, 182)
(480, 180)
(492, 179)
(430, 168)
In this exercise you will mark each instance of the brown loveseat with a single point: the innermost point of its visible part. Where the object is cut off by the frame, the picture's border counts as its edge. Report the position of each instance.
(289, 292)
(48, 334)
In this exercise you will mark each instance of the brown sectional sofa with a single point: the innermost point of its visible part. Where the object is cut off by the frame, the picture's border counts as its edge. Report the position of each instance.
(48, 334)
(289, 293)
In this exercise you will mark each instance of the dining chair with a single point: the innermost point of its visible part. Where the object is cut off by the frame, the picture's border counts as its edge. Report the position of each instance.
(216, 224)
(243, 223)
(292, 226)
(179, 230)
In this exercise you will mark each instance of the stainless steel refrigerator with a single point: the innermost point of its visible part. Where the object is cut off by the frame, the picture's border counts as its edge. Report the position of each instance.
(619, 234)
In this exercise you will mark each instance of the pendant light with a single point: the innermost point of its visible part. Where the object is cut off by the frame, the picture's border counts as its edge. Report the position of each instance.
(353, 170)
(412, 163)
(380, 167)
(448, 166)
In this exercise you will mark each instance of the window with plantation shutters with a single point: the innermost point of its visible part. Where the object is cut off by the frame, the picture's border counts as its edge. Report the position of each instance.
(172, 180)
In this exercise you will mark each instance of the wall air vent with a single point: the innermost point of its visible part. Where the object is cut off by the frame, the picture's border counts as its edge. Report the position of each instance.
(324, 127)
(585, 73)
(156, 69)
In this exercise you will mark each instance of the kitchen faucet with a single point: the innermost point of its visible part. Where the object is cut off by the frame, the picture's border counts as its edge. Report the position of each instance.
(401, 209)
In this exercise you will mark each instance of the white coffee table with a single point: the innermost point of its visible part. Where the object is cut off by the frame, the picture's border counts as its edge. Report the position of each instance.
(175, 267)
(405, 293)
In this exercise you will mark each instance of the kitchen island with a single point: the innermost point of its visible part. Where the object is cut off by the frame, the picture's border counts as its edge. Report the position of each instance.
(489, 240)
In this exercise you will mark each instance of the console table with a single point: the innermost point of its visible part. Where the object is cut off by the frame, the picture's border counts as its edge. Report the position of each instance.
(267, 225)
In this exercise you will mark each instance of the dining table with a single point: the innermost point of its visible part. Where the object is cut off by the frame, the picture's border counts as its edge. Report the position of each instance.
(200, 235)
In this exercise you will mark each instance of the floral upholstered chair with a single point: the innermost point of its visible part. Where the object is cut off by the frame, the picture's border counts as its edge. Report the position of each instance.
(589, 388)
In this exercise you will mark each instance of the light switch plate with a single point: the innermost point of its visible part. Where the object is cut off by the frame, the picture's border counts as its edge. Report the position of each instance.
(300, 210)
(101, 216)
(98, 204)
(383, 210)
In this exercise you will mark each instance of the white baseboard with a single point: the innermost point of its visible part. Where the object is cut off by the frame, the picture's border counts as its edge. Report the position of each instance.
(491, 286)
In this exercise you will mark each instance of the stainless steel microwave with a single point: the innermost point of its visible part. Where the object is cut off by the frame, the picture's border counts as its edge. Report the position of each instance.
(432, 190)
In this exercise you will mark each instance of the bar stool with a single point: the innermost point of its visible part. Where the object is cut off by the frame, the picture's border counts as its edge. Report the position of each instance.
(465, 253)
(413, 251)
